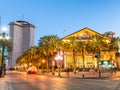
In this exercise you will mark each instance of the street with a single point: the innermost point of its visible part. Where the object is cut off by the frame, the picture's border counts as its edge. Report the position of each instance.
(23, 81)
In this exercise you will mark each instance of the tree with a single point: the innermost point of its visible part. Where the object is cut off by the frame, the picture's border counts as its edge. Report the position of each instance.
(82, 48)
(29, 56)
(32, 54)
(49, 46)
(115, 46)
(97, 44)
(72, 46)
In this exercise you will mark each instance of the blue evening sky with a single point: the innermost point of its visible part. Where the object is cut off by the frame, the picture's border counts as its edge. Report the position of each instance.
(63, 17)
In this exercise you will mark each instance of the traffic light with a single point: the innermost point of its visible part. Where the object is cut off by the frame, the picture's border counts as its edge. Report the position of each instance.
(97, 56)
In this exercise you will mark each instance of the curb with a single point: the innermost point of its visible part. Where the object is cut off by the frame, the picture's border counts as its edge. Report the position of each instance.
(76, 77)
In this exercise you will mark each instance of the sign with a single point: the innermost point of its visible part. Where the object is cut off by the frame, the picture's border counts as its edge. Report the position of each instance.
(5, 50)
(104, 62)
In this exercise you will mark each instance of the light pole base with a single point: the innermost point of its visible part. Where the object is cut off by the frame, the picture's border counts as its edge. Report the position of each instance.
(59, 74)
(53, 73)
(99, 73)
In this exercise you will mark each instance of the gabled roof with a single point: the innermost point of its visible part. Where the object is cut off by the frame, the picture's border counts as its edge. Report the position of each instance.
(85, 32)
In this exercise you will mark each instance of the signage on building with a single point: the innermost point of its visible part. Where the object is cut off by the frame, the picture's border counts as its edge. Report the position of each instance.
(104, 62)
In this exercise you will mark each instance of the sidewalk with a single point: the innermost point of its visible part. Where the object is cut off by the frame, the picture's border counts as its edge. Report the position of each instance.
(4, 84)
(85, 75)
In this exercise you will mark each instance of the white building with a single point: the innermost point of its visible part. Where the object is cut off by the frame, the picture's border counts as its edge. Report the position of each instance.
(22, 36)
(110, 34)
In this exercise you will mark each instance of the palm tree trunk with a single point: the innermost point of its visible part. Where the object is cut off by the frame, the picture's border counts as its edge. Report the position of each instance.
(47, 64)
(98, 56)
(83, 57)
(74, 68)
(53, 63)
(83, 61)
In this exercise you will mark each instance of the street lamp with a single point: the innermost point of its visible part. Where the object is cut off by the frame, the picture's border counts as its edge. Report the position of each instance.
(58, 58)
(83, 60)
(98, 62)
(3, 37)
(43, 61)
(53, 64)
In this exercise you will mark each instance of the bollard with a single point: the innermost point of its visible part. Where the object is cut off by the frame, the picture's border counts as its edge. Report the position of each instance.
(68, 74)
(53, 73)
(83, 75)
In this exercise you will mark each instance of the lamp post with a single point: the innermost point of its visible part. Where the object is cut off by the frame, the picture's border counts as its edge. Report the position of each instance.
(53, 64)
(59, 58)
(98, 62)
(3, 37)
(43, 61)
(83, 60)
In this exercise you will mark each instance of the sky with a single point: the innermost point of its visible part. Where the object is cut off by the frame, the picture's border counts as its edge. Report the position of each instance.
(63, 17)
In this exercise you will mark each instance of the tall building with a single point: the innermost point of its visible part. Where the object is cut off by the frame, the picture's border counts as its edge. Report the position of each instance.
(22, 36)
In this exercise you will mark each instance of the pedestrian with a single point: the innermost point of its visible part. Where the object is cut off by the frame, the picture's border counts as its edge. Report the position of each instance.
(83, 73)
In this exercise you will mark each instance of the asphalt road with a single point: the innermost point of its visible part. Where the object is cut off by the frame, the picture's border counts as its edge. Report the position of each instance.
(22, 81)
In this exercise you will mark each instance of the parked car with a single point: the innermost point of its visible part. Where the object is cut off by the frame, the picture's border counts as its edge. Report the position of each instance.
(32, 70)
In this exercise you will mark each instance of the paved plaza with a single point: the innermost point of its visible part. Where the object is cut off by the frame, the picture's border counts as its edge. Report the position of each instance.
(85, 75)
(4, 83)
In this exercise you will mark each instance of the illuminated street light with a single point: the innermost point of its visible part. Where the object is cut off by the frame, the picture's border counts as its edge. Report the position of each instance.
(3, 38)
(43, 61)
(30, 64)
(4, 29)
(58, 58)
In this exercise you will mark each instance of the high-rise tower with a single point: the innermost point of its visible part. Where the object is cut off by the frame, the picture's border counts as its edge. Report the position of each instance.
(22, 36)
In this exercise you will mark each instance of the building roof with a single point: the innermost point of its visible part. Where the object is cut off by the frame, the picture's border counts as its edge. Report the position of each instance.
(21, 23)
(85, 32)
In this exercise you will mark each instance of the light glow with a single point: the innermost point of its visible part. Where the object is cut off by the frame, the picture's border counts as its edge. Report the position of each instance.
(7, 37)
(4, 29)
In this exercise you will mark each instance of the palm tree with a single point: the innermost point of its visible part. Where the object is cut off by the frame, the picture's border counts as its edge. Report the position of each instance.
(115, 46)
(72, 45)
(97, 43)
(43, 49)
(28, 57)
(44, 53)
(32, 54)
(49, 46)
(8, 44)
(82, 48)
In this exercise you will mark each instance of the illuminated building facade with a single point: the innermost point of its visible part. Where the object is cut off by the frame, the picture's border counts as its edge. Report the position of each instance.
(107, 59)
